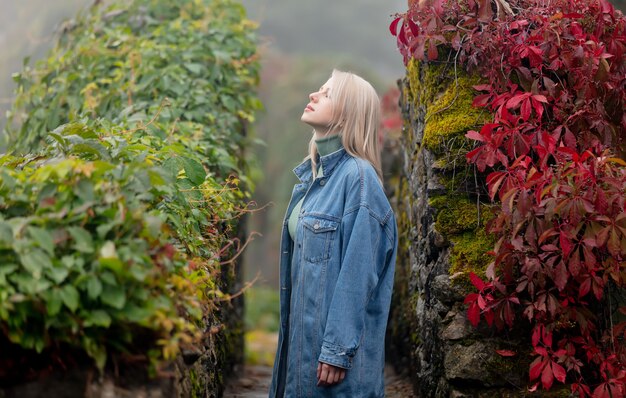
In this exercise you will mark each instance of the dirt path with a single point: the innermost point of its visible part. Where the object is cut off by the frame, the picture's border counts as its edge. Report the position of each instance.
(255, 383)
(255, 376)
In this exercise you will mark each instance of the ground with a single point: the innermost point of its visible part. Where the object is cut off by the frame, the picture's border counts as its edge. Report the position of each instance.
(254, 379)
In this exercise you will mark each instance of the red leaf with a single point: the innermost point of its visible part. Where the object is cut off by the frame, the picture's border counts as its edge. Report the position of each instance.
(602, 391)
(475, 135)
(607, 8)
(482, 87)
(481, 100)
(560, 276)
(546, 336)
(477, 282)
(438, 6)
(493, 182)
(414, 29)
(584, 288)
(432, 51)
(402, 35)
(506, 353)
(393, 27)
(547, 377)
(536, 367)
(566, 245)
(559, 372)
(456, 41)
(482, 304)
(473, 314)
(526, 109)
(485, 13)
(536, 334)
(516, 100)
(489, 315)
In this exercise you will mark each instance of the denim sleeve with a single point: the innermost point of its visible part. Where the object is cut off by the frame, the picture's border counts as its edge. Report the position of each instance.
(357, 279)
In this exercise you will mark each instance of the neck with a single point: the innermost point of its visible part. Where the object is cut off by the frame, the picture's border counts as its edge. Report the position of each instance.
(329, 144)
(321, 134)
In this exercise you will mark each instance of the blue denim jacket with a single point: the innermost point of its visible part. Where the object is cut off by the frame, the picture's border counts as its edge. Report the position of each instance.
(336, 279)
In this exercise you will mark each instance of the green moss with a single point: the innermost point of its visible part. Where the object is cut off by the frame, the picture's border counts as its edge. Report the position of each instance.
(455, 214)
(451, 113)
(425, 81)
(458, 221)
(447, 96)
(469, 254)
(197, 387)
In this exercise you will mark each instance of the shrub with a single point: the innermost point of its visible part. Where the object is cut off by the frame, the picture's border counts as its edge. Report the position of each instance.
(115, 225)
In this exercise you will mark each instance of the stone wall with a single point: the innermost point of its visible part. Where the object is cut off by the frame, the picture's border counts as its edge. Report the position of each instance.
(442, 210)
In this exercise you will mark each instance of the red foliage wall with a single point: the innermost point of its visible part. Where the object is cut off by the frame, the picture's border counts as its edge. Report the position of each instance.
(555, 82)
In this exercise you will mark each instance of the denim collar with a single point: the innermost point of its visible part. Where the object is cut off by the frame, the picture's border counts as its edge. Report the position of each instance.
(329, 162)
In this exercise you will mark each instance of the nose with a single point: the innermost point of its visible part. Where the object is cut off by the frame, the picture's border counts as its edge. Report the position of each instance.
(313, 96)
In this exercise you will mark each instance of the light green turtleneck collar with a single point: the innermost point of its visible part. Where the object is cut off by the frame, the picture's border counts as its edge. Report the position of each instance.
(328, 145)
(325, 146)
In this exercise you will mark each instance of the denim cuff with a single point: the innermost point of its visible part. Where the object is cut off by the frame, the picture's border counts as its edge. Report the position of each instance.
(336, 355)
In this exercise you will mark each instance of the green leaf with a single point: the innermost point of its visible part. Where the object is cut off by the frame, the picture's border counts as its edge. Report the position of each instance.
(138, 314)
(57, 273)
(194, 67)
(113, 264)
(6, 234)
(85, 190)
(96, 351)
(115, 296)
(194, 171)
(82, 238)
(53, 302)
(98, 318)
(43, 238)
(173, 165)
(35, 261)
(94, 287)
(69, 296)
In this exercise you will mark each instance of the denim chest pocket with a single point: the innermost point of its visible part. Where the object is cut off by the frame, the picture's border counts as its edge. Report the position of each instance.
(318, 234)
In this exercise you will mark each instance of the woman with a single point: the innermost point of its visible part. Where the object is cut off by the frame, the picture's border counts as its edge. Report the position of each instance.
(338, 252)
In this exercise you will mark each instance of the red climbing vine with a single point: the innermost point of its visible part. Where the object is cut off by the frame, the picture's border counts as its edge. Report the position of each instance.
(555, 81)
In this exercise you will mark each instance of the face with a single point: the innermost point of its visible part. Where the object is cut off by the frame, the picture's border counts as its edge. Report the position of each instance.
(319, 111)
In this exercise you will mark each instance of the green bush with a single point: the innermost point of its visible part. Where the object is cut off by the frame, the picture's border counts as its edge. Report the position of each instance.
(119, 64)
(113, 225)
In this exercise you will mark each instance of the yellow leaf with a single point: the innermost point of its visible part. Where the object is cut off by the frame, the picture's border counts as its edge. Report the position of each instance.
(617, 160)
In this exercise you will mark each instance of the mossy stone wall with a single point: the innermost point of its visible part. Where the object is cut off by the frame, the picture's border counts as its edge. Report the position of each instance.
(442, 209)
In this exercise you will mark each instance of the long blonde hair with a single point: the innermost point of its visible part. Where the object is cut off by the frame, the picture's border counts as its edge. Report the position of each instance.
(356, 111)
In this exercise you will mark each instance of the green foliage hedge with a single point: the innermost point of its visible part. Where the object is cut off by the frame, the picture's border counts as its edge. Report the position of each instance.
(120, 63)
(113, 226)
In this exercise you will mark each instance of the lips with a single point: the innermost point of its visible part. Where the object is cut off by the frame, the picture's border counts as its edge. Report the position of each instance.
(309, 107)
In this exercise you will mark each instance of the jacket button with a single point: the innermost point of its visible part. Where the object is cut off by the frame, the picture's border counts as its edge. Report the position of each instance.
(316, 226)
(322, 182)
(302, 211)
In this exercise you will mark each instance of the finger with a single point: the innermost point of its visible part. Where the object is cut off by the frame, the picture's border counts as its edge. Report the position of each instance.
(342, 375)
(323, 374)
(319, 370)
(331, 375)
(336, 377)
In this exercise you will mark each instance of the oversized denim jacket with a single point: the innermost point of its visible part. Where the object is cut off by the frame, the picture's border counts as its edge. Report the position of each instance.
(336, 279)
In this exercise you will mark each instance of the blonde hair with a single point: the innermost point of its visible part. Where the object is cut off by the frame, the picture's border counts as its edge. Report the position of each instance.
(356, 111)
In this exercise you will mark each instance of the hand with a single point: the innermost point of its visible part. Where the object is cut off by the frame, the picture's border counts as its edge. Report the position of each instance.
(328, 375)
